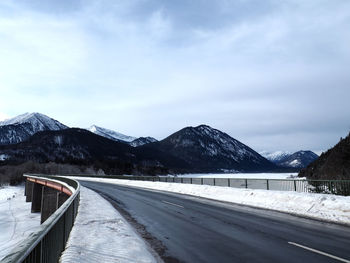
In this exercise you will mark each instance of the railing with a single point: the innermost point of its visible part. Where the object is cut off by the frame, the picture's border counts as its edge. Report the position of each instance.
(47, 243)
(338, 187)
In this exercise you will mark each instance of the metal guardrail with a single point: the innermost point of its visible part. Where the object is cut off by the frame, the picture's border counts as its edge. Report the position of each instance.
(47, 243)
(338, 187)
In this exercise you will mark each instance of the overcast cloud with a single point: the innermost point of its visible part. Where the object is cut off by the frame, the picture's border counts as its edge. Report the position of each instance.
(272, 74)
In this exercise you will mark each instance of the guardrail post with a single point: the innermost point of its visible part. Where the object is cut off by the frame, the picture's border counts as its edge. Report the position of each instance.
(36, 197)
(246, 183)
(61, 198)
(48, 203)
(202, 181)
(29, 191)
(267, 184)
(191, 180)
(228, 182)
(214, 181)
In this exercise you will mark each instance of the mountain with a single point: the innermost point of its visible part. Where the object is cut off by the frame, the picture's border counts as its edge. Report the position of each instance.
(20, 128)
(333, 164)
(112, 135)
(142, 141)
(116, 136)
(299, 159)
(206, 149)
(276, 156)
(81, 147)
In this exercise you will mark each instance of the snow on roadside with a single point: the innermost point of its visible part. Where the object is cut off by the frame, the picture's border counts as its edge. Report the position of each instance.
(8, 192)
(244, 175)
(16, 219)
(101, 234)
(326, 207)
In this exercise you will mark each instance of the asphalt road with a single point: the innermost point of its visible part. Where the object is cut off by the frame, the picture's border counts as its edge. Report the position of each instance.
(198, 230)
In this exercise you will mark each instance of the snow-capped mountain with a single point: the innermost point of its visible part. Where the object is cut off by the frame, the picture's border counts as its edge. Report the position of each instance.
(208, 149)
(116, 136)
(299, 159)
(276, 156)
(20, 128)
(142, 141)
(112, 135)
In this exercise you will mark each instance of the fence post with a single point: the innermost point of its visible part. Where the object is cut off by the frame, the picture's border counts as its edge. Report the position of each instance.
(267, 184)
(246, 183)
(295, 185)
(202, 181)
(191, 180)
(182, 180)
(214, 181)
(228, 182)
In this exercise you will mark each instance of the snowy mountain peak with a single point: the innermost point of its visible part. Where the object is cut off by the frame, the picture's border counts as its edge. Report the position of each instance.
(39, 121)
(275, 156)
(20, 128)
(110, 134)
(298, 159)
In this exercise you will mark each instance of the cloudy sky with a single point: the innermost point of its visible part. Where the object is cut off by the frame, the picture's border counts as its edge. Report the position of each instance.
(272, 74)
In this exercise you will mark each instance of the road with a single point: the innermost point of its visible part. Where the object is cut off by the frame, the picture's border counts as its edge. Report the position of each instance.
(192, 229)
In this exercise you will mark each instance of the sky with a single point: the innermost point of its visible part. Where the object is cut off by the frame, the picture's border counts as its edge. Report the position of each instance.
(273, 74)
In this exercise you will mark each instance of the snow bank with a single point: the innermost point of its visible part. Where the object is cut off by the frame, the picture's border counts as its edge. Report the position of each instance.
(101, 234)
(244, 175)
(319, 206)
(8, 192)
(16, 219)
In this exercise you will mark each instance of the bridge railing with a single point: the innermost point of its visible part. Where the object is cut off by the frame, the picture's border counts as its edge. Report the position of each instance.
(48, 241)
(338, 187)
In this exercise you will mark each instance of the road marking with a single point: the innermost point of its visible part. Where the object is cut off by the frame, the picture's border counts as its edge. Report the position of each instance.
(319, 252)
(172, 204)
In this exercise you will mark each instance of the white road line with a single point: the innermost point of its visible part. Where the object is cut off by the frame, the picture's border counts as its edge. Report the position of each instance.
(320, 252)
(172, 204)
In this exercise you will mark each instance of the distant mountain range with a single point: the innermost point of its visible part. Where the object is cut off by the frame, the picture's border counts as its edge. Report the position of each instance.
(81, 147)
(333, 164)
(299, 159)
(36, 137)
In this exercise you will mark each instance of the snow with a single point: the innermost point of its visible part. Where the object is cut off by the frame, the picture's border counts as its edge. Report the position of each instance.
(16, 219)
(243, 175)
(3, 157)
(295, 163)
(325, 207)
(37, 120)
(275, 156)
(101, 234)
(110, 134)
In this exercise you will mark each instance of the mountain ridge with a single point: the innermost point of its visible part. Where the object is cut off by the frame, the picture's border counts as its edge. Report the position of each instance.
(21, 127)
(209, 149)
(299, 159)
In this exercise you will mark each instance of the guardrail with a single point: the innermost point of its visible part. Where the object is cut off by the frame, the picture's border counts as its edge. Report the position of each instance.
(48, 241)
(338, 187)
